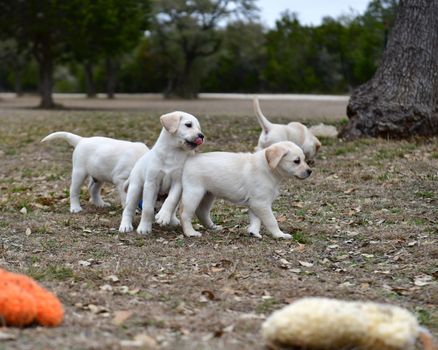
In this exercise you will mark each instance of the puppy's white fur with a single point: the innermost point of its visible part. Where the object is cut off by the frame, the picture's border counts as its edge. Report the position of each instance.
(103, 160)
(249, 179)
(159, 172)
(295, 132)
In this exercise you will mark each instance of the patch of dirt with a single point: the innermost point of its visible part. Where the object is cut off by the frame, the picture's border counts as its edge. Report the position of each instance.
(288, 106)
(365, 226)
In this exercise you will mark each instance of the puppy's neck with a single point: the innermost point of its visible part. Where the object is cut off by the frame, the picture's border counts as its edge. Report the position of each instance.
(166, 142)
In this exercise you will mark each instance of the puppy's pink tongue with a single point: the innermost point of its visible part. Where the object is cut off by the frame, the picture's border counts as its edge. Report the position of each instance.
(199, 141)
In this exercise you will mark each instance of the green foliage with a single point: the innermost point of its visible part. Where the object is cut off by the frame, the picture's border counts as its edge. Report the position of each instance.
(239, 64)
(186, 33)
(208, 45)
(334, 57)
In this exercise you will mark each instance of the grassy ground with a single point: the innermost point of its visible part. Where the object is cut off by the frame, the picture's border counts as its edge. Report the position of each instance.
(364, 224)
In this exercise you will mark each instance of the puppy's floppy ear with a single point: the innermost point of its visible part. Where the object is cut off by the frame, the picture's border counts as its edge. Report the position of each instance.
(317, 144)
(170, 121)
(274, 154)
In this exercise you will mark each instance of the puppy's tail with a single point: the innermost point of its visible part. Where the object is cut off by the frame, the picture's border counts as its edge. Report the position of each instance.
(263, 121)
(72, 139)
(323, 130)
(126, 185)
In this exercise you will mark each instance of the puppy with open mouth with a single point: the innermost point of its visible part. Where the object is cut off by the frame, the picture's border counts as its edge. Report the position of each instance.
(159, 172)
(250, 179)
(101, 159)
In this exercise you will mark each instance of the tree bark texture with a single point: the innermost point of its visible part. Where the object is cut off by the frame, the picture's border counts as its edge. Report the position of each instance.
(90, 86)
(110, 77)
(46, 82)
(401, 99)
(18, 86)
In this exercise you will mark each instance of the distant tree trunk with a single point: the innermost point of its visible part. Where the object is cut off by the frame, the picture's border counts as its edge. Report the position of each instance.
(18, 86)
(110, 77)
(401, 98)
(186, 85)
(45, 63)
(90, 86)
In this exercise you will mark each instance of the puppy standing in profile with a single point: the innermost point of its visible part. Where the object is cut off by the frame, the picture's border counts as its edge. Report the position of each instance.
(296, 132)
(103, 160)
(159, 172)
(250, 179)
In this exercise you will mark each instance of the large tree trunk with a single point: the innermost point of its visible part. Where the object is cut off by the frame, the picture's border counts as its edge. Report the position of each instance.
(45, 63)
(401, 98)
(110, 77)
(90, 86)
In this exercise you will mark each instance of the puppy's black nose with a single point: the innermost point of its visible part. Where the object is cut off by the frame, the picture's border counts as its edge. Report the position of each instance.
(309, 171)
(201, 136)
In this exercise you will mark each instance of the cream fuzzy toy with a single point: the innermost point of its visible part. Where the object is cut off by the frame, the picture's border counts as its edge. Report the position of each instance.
(323, 324)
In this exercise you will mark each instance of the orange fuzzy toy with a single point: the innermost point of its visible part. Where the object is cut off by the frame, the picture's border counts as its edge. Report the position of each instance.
(23, 301)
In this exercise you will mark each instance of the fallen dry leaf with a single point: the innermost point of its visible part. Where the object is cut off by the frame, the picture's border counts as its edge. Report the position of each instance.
(423, 280)
(7, 336)
(281, 218)
(142, 341)
(284, 263)
(305, 263)
(106, 288)
(206, 295)
(121, 316)
(112, 278)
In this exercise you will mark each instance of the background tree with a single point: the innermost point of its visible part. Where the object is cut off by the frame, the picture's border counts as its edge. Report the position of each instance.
(106, 29)
(401, 98)
(186, 32)
(239, 64)
(40, 25)
(14, 58)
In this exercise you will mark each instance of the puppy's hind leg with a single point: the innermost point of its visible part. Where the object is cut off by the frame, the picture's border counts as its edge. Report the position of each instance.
(94, 189)
(254, 225)
(203, 212)
(189, 203)
(77, 179)
(120, 184)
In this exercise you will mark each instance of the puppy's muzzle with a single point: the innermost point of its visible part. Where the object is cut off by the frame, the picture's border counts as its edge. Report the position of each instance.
(305, 174)
(195, 142)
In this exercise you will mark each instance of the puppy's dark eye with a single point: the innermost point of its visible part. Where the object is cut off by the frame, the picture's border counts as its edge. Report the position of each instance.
(189, 124)
(297, 161)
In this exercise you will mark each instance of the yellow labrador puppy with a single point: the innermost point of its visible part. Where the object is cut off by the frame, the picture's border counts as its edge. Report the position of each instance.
(102, 159)
(159, 172)
(250, 179)
(295, 132)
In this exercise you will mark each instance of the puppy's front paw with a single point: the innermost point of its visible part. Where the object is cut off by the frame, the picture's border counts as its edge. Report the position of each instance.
(102, 204)
(216, 228)
(174, 221)
(255, 234)
(74, 210)
(193, 234)
(144, 228)
(126, 227)
(163, 218)
(283, 235)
